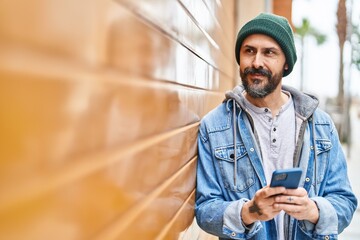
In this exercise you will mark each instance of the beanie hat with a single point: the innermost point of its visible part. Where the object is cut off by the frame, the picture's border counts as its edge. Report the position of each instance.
(274, 26)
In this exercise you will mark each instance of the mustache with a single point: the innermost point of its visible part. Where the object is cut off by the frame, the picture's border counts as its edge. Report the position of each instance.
(260, 71)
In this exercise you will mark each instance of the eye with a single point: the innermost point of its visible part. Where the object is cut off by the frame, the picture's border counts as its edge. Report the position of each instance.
(249, 50)
(269, 52)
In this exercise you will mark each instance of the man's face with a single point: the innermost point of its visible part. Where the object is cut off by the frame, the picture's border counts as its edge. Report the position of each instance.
(262, 63)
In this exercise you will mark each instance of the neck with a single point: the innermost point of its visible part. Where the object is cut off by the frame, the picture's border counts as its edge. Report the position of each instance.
(273, 101)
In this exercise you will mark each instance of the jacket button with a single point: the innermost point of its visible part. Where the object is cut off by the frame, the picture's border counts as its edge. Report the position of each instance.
(251, 149)
(312, 147)
(233, 234)
(327, 237)
(307, 179)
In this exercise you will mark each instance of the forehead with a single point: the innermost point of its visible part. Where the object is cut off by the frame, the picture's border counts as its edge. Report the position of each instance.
(260, 41)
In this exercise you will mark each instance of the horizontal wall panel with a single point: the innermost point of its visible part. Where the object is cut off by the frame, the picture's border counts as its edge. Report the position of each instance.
(224, 20)
(48, 122)
(178, 24)
(141, 49)
(125, 43)
(204, 18)
(108, 191)
(147, 221)
(67, 28)
(37, 145)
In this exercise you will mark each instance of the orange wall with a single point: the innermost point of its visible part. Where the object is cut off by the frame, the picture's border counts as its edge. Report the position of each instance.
(100, 103)
(283, 8)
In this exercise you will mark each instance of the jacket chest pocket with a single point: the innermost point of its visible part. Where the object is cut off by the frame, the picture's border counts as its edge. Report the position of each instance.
(323, 147)
(245, 175)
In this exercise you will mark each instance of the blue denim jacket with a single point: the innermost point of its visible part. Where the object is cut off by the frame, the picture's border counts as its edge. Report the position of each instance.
(221, 194)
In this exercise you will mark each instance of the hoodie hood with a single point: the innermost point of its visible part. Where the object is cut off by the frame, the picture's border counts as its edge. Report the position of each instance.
(305, 104)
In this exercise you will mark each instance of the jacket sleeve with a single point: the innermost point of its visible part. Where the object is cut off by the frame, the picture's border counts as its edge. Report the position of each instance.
(213, 214)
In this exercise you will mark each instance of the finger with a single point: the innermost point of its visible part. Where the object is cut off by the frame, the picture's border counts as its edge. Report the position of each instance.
(288, 208)
(296, 192)
(271, 191)
(288, 199)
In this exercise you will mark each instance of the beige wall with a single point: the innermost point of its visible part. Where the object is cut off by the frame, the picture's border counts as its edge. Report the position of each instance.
(248, 9)
(100, 103)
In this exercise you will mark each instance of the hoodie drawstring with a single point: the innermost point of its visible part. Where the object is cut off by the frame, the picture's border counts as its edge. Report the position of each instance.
(315, 156)
(234, 133)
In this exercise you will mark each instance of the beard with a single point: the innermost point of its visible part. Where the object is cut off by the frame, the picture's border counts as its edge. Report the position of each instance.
(256, 89)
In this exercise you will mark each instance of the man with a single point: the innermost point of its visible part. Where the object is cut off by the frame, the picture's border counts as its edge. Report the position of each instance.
(262, 126)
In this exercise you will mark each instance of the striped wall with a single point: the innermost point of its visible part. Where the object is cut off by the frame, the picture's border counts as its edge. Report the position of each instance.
(100, 103)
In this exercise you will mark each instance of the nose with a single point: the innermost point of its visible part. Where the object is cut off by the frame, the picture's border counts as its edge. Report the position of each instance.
(258, 61)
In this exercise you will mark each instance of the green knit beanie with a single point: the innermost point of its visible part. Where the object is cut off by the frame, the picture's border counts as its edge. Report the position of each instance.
(274, 26)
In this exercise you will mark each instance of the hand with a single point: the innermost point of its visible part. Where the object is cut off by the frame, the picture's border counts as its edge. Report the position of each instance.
(261, 207)
(297, 204)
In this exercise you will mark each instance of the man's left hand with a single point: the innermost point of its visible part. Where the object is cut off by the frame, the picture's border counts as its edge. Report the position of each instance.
(297, 204)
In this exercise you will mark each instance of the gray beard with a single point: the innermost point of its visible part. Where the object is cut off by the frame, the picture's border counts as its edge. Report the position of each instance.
(254, 90)
(259, 92)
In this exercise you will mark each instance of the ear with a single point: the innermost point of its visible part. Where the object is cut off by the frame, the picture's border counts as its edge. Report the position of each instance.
(286, 67)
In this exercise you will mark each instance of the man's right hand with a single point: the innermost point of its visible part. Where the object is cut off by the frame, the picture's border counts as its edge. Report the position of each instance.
(261, 206)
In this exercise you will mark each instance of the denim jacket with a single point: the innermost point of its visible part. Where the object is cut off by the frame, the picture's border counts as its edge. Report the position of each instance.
(220, 193)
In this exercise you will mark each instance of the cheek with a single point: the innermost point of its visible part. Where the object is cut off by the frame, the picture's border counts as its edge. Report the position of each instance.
(244, 61)
(243, 65)
(281, 63)
(279, 67)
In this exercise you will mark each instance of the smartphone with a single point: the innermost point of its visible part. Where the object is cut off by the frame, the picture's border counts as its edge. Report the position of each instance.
(288, 178)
